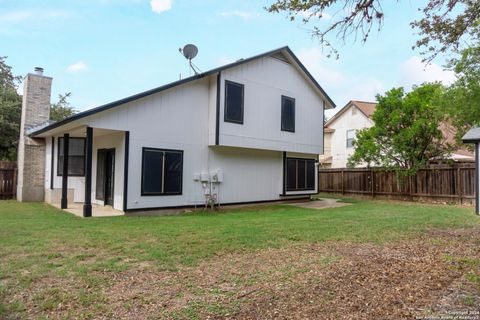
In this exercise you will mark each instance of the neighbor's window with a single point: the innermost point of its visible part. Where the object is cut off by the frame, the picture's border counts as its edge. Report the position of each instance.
(162, 172)
(288, 114)
(234, 102)
(300, 174)
(76, 157)
(350, 138)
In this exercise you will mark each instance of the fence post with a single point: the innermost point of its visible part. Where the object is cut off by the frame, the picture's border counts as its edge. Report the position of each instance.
(343, 182)
(15, 183)
(410, 187)
(372, 181)
(460, 185)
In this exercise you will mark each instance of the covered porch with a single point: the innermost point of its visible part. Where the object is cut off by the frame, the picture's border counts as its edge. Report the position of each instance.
(87, 170)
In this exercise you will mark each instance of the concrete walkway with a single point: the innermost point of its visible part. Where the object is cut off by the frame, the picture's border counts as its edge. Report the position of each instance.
(322, 203)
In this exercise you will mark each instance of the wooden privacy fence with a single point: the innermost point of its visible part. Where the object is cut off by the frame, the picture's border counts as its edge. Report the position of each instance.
(8, 180)
(444, 184)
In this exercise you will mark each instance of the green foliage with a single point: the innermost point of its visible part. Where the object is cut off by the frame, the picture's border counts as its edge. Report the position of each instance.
(10, 112)
(462, 98)
(443, 27)
(62, 109)
(406, 133)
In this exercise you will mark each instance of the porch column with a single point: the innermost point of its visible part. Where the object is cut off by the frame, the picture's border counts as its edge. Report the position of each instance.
(66, 138)
(87, 205)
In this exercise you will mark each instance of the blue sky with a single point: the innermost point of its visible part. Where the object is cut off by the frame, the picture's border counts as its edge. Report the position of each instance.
(104, 50)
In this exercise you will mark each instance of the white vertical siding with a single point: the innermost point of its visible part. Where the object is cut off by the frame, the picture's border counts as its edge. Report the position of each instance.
(184, 118)
(249, 174)
(265, 81)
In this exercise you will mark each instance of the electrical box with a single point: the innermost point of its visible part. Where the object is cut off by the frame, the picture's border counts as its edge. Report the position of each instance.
(217, 176)
(196, 177)
(204, 177)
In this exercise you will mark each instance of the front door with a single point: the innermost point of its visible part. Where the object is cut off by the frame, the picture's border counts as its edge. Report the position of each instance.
(105, 175)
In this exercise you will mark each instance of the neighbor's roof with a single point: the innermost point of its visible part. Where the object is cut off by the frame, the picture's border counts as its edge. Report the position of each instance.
(449, 133)
(284, 50)
(367, 108)
(472, 136)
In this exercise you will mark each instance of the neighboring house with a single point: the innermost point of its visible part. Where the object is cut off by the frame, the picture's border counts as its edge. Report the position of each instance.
(245, 132)
(340, 132)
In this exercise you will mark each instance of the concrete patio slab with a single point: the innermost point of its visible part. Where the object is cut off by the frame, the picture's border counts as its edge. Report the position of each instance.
(323, 203)
(97, 211)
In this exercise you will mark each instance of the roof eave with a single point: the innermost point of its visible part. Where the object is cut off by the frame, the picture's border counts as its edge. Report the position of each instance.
(183, 81)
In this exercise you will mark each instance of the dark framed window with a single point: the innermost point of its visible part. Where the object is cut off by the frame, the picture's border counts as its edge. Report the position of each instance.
(288, 114)
(162, 172)
(76, 157)
(351, 135)
(300, 174)
(234, 96)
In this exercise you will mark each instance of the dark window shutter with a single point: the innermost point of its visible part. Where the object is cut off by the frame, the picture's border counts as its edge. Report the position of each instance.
(311, 176)
(288, 114)
(173, 172)
(234, 95)
(152, 171)
(291, 174)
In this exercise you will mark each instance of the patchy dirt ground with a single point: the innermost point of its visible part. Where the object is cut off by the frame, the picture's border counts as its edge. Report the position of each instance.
(435, 274)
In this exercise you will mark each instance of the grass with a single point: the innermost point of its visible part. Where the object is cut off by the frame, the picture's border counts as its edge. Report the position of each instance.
(37, 240)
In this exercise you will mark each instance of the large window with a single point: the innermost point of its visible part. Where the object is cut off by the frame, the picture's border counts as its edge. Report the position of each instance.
(234, 94)
(162, 172)
(300, 174)
(350, 138)
(288, 114)
(76, 157)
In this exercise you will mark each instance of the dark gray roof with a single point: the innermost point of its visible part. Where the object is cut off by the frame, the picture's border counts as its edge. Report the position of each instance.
(180, 82)
(472, 136)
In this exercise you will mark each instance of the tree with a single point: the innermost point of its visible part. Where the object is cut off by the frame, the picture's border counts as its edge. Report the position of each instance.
(10, 112)
(62, 109)
(406, 133)
(444, 26)
(462, 98)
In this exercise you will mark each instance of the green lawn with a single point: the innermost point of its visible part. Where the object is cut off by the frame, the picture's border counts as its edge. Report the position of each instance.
(37, 240)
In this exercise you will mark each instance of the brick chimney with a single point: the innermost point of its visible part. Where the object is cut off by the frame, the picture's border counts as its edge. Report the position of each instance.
(31, 151)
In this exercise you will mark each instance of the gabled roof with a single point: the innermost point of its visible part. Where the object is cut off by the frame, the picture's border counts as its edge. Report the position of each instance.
(472, 136)
(284, 50)
(367, 108)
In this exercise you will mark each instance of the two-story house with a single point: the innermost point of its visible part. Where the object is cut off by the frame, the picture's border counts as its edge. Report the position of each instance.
(341, 129)
(244, 132)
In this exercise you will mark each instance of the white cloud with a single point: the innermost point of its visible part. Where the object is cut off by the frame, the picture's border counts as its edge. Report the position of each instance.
(77, 67)
(160, 6)
(246, 15)
(414, 72)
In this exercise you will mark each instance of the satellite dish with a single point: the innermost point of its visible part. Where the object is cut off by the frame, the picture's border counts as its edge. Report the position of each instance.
(190, 51)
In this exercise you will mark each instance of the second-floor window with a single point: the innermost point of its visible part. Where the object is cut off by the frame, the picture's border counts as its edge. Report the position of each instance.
(234, 95)
(350, 138)
(288, 114)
